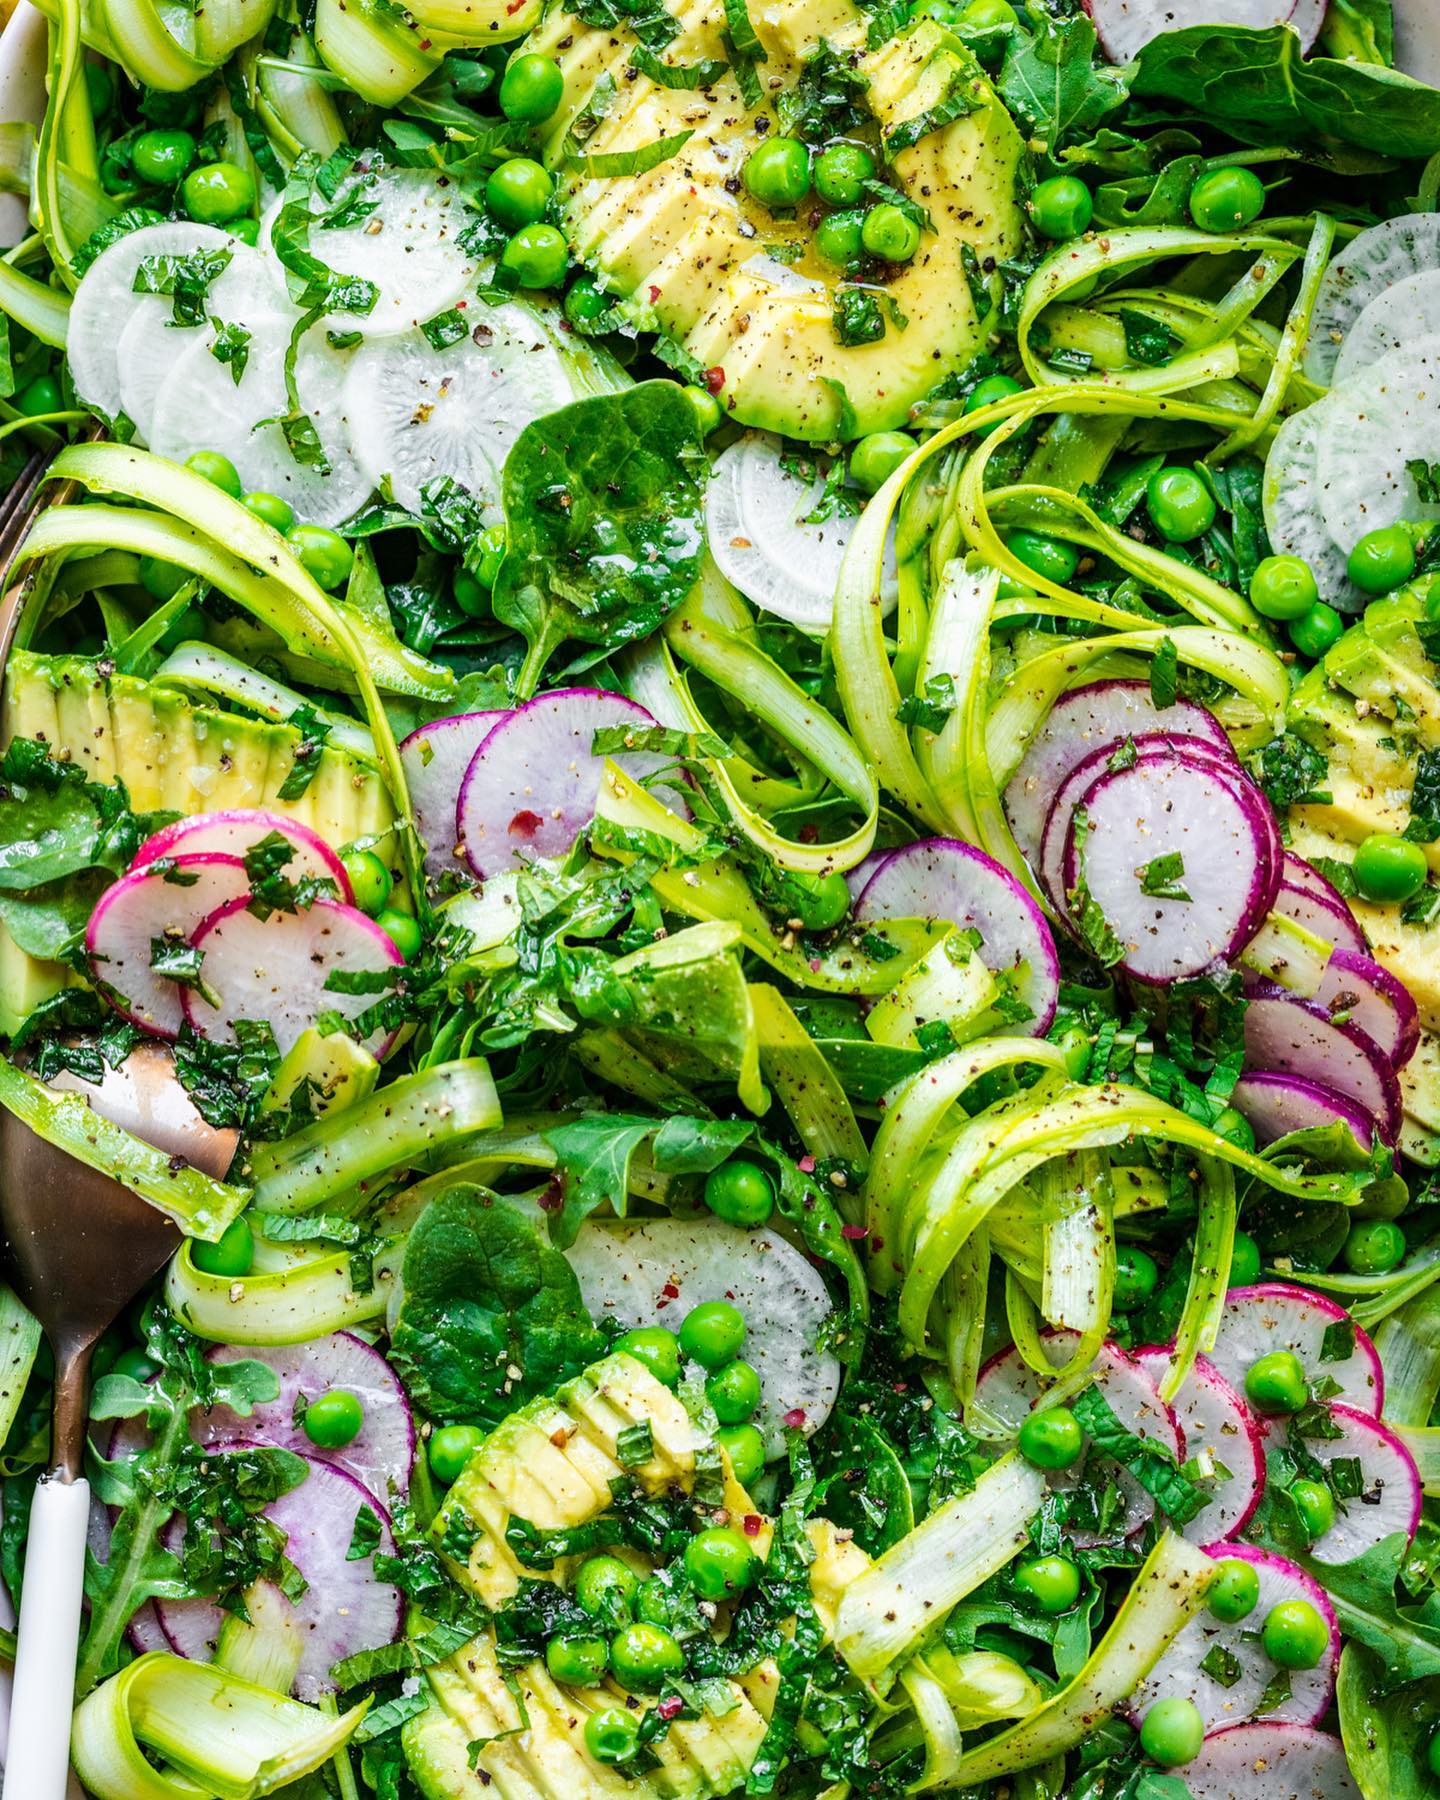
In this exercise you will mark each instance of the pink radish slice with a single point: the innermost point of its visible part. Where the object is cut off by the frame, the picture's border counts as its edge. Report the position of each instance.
(344, 1608)
(276, 969)
(1276, 1105)
(941, 878)
(241, 828)
(1096, 716)
(1179, 1674)
(1008, 1388)
(1317, 913)
(1270, 1762)
(381, 1458)
(1372, 998)
(531, 787)
(1124, 27)
(1390, 1494)
(1291, 1036)
(145, 905)
(860, 877)
(1274, 1316)
(1175, 807)
(435, 758)
(1296, 872)
(1214, 1420)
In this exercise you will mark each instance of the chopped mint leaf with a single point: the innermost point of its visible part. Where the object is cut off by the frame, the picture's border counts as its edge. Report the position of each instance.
(1292, 772)
(1424, 825)
(857, 318)
(930, 708)
(231, 346)
(1147, 342)
(186, 279)
(1222, 1665)
(1338, 1342)
(635, 1445)
(445, 328)
(1165, 674)
(1161, 878)
(1426, 477)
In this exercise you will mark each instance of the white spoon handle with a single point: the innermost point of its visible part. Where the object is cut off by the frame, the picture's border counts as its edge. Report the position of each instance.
(38, 1761)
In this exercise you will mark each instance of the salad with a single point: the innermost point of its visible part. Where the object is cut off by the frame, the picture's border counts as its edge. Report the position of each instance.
(756, 687)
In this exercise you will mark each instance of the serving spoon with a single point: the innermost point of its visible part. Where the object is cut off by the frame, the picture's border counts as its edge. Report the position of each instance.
(80, 1247)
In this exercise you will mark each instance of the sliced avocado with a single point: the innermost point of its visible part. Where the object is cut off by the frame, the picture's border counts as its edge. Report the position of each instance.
(25, 982)
(741, 289)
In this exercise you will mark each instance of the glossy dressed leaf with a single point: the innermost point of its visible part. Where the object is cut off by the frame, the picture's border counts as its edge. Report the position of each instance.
(1052, 81)
(1386, 1729)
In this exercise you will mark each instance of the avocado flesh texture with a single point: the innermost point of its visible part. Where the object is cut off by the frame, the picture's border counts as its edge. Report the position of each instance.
(693, 256)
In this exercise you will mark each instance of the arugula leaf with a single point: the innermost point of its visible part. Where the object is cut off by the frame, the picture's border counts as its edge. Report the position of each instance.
(1051, 81)
(1386, 1727)
(593, 1154)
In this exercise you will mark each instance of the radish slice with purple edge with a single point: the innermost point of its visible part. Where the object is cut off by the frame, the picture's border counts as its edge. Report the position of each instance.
(1204, 837)
(1008, 1388)
(1216, 1425)
(151, 905)
(1224, 1669)
(381, 1458)
(1365, 993)
(941, 878)
(1277, 1104)
(1098, 716)
(1278, 1762)
(1125, 27)
(1371, 262)
(435, 758)
(1293, 520)
(278, 968)
(343, 1609)
(1291, 1036)
(860, 877)
(1274, 1316)
(531, 787)
(1311, 902)
(237, 829)
(1380, 431)
(1378, 1490)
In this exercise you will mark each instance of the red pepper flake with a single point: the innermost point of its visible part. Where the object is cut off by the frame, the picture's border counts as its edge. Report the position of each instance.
(854, 1231)
(525, 824)
(794, 1419)
(814, 965)
(752, 1524)
(670, 1707)
(654, 293)
(809, 834)
(714, 379)
(553, 1198)
(670, 1291)
(806, 1165)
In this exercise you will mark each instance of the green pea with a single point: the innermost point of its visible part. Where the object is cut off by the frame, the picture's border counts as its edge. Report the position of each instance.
(1180, 505)
(777, 172)
(712, 1333)
(1244, 1260)
(1276, 1384)
(1227, 199)
(612, 1735)
(162, 580)
(985, 15)
(369, 878)
(1283, 587)
(740, 1192)
(1382, 560)
(334, 1419)
(38, 397)
(1389, 867)
(518, 192)
(733, 1392)
(644, 1657)
(536, 256)
(841, 171)
(874, 459)
(162, 157)
(707, 409)
(986, 393)
(1061, 207)
(472, 595)
(838, 238)
(890, 233)
(1234, 1127)
(1135, 1277)
(218, 470)
(1294, 1635)
(1432, 1755)
(577, 1661)
(1316, 1506)
(605, 1588)
(1052, 1438)
(1236, 1592)
(586, 301)
(531, 87)
(402, 929)
(132, 1362)
(1374, 1247)
(247, 230)
(1052, 1582)
(1172, 1732)
(232, 1254)
(218, 192)
(277, 513)
(1318, 631)
(1049, 557)
(745, 1448)
(450, 1449)
(657, 1348)
(720, 1563)
(323, 553)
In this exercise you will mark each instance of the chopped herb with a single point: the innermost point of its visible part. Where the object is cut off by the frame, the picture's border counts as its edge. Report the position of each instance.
(1165, 674)
(1424, 825)
(958, 100)
(635, 1445)
(1338, 1342)
(931, 707)
(1147, 341)
(857, 318)
(186, 279)
(231, 346)
(1161, 878)
(614, 163)
(445, 328)
(1221, 1665)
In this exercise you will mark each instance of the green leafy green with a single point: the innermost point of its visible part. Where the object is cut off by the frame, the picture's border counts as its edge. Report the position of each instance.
(1386, 1727)
(1293, 772)
(1149, 1462)
(1052, 81)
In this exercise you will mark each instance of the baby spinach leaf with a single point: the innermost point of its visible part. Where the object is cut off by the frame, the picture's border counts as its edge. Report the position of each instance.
(1386, 1729)
(1052, 82)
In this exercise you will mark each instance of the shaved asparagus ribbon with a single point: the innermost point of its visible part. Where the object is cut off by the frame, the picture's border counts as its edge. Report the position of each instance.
(289, 1297)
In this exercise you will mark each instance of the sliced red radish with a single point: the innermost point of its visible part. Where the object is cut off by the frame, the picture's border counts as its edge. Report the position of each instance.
(277, 969)
(859, 878)
(531, 787)
(1291, 1036)
(381, 1458)
(1274, 1316)
(1278, 1104)
(1270, 1762)
(1007, 1389)
(1368, 1455)
(1214, 834)
(942, 878)
(344, 1608)
(1096, 716)
(435, 758)
(147, 906)
(1125, 27)
(1318, 913)
(1361, 990)
(1219, 1430)
(237, 829)
(1222, 1667)
(1371, 262)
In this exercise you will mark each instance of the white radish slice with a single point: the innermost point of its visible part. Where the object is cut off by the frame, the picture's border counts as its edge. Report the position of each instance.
(144, 906)
(1360, 989)
(435, 758)
(942, 878)
(1270, 1762)
(1317, 913)
(106, 296)
(1218, 1426)
(1086, 719)
(1390, 1493)
(1371, 262)
(1373, 427)
(1291, 1036)
(1394, 318)
(234, 830)
(654, 1273)
(1277, 1104)
(1236, 1649)
(1125, 27)
(143, 1629)
(381, 1458)
(531, 787)
(344, 1609)
(276, 969)
(1294, 521)
(1306, 18)
(757, 519)
(1274, 1316)
(1220, 831)
(1007, 1389)
(420, 415)
(1299, 873)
